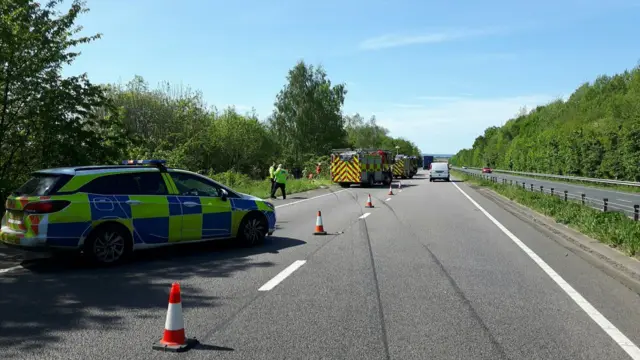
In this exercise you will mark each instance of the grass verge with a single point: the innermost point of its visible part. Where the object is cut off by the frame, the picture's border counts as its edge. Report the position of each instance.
(612, 228)
(262, 188)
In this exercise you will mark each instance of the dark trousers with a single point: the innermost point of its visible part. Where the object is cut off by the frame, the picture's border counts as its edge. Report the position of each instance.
(273, 184)
(280, 186)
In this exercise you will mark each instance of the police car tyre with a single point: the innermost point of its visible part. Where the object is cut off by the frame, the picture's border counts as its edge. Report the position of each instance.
(253, 229)
(108, 244)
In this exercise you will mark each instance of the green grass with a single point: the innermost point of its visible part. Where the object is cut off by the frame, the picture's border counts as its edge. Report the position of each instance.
(612, 228)
(262, 188)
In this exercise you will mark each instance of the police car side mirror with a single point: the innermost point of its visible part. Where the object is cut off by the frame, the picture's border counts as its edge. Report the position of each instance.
(224, 194)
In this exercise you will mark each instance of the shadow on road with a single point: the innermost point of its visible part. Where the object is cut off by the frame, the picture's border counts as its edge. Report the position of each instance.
(68, 294)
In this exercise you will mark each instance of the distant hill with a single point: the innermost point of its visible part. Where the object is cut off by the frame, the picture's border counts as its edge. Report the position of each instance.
(447, 156)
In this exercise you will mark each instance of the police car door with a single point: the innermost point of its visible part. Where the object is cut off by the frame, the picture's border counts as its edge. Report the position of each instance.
(205, 215)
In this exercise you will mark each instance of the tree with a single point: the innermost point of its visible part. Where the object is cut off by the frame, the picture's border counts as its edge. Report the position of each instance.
(594, 133)
(307, 118)
(46, 119)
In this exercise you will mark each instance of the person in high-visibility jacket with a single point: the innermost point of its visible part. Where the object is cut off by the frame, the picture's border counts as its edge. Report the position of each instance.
(280, 176)
(272, 170)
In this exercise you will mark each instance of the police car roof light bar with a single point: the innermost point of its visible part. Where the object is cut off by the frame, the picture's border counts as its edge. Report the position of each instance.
(155, 162)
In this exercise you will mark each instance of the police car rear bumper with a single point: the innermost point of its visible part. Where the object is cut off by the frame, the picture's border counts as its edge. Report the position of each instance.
(17, 240)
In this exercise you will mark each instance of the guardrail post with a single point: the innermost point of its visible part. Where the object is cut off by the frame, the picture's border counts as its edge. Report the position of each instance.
(551, 191)
(541, 188)
(523, 185)
(531, 187)
(582, 196)
(605, 202)
(511, 182)
(565, 195)
(636, 212)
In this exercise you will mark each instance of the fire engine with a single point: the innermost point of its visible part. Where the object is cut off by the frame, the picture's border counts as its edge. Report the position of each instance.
(402, 167)
(361, 166)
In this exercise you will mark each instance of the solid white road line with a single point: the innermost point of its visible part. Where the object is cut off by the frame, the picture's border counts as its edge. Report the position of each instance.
(2, 271)
(364, 215)
(624, 200)
(594, 314)
(388, 199)
(312, 198)
(282, 275)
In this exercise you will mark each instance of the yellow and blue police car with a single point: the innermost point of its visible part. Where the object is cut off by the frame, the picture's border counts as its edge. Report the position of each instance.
(107, 212)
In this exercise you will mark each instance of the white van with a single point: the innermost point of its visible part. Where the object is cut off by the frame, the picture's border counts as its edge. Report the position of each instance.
(439, 170)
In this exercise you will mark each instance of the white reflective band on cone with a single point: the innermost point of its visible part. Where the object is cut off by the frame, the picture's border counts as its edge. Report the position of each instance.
(174, 317)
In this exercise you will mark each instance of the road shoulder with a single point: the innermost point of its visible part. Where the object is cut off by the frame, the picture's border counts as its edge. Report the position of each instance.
(611, 261)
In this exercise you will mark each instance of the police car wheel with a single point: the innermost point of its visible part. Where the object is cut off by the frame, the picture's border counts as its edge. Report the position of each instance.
(253, 230)
(108, 245)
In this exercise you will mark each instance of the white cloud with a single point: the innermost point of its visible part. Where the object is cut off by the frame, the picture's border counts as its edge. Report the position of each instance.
(391, 40)
(453, 123)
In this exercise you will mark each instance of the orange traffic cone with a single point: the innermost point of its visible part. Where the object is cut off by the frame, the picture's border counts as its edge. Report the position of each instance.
(319, 226)
(174, 338)
(369, 204)
(390, 189)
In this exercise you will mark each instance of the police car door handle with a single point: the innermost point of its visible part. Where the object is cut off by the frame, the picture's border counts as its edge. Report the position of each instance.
(189, 204)
(134, 202)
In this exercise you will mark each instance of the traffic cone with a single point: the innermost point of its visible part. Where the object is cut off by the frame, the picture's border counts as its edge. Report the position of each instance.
(368, 204)
(319, 226)
(391, 189)
(174, 339)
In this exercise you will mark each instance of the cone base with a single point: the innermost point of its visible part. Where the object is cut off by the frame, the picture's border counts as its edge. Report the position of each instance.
(189, 343)
(369, 206)
(320, 233)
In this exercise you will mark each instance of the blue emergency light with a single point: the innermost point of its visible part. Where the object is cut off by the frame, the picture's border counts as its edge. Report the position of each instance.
(144, 162)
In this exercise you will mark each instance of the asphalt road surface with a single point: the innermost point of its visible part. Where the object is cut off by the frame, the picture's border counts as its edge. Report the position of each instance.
(617, 199)
(436, 271)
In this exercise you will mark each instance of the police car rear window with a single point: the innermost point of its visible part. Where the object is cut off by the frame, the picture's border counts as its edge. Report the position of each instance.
(42, 185)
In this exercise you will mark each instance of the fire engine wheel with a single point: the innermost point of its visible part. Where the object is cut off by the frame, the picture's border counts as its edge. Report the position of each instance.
(345, 185)
(371, 182)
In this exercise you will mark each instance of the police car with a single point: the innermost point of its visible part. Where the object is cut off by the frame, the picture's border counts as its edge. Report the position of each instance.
(107, 212)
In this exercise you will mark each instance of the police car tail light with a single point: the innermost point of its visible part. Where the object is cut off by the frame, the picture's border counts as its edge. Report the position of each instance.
(45, 207)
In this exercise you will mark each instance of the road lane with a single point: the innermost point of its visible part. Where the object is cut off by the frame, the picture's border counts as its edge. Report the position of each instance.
(613, 299)
(619, 199)
(513, 307)
(121, 311)
(424, 275)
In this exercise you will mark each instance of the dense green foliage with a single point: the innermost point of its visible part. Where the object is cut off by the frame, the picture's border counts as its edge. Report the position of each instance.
(47, 120)
(595, 133)
(612, 228)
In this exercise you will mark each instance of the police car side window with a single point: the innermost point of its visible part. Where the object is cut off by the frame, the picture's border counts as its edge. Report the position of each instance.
(119, 184)
(189, 185)
(150, 183)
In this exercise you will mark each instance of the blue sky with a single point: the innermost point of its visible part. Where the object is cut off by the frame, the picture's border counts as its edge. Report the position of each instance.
(437, 73)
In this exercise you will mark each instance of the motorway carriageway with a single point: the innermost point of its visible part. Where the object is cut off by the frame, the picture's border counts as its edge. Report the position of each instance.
(620, 200)
(436, 271)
